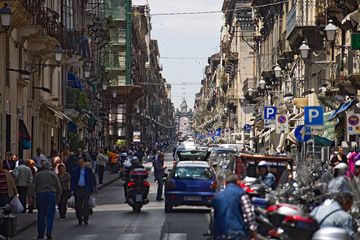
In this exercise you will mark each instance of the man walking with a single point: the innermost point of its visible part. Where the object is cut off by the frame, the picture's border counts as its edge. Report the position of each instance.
(159, 174)
(39, 158)
(233, 213)
(48, 191)
(9, 163)
(101, 160)
(82, 186)
(23, 178)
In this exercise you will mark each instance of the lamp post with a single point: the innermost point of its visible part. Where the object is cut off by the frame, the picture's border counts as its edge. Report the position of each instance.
(58, 54)
(277, 71)
(330, 30)
(87, 70)
(250, 91)
(5, 17)
(304, 50)
(104, 86)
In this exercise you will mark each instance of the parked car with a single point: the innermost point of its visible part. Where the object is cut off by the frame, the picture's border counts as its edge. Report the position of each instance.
(215, 154)
(190, 183)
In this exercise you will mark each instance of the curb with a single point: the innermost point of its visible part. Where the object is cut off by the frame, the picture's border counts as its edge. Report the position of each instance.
(32, 224)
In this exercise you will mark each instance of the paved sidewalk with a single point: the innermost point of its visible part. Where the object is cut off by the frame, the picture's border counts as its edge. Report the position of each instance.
(27, 220)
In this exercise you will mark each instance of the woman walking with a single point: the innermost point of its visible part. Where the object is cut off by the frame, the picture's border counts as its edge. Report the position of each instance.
(64, 178)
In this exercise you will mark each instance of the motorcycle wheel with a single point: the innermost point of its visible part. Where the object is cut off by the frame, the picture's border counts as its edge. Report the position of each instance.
(137, 207)
(168, 207)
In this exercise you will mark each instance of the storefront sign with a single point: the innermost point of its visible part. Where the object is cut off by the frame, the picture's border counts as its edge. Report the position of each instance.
(136, 136)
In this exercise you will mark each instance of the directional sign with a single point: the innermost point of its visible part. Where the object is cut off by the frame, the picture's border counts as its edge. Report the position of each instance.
(218, 132)
(302, 133)
(269, 117)
(353, 124)
(282, 123)
(313, 116)
(247, 128)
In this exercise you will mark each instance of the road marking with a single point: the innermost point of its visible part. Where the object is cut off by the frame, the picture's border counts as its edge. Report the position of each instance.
(130, 236)
(175, 236)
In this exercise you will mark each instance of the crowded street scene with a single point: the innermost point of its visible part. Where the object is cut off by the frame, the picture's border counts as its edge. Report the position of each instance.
(180, 120)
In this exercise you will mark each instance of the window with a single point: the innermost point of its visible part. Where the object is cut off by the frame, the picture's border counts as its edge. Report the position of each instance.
(200, 173)
(68, 15)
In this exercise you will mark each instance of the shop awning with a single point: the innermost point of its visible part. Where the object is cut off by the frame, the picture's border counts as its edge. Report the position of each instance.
(342, 108)
(57, 113)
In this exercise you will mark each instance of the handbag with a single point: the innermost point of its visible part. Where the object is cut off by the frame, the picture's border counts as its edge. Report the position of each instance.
(92, 202)
(71, 202)
(16, 206)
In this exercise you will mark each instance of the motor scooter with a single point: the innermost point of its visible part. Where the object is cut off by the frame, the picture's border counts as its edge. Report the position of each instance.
(137, 189)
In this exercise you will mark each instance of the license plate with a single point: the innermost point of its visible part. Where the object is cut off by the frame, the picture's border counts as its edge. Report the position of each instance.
(138, 198)
(192, 198)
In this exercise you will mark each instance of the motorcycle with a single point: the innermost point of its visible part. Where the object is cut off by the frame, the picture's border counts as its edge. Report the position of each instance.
(137, 189)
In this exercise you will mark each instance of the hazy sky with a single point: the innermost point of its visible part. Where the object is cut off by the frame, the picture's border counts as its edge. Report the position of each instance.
(185, 36)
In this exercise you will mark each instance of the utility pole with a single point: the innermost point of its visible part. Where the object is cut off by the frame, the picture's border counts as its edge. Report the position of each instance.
(128, 11)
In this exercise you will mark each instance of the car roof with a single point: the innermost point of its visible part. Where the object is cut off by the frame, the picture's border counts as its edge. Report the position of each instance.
(192, 164)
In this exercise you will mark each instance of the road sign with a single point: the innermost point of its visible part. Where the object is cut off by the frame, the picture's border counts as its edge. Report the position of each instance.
(282, 123)
(302, 133)
(247, 128)
(269, 113)
(313, 116)
(218, 132)
(353, 124)
(269, 117)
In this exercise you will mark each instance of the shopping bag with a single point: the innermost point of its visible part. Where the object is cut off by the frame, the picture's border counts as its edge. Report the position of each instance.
(71, 202)
(92, 202)
(16, 206)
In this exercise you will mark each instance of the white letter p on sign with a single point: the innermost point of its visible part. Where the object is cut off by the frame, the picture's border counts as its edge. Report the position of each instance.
(313, 114)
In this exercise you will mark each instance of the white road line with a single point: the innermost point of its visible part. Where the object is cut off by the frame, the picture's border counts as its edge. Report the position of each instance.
(175, 236)
(130, 236)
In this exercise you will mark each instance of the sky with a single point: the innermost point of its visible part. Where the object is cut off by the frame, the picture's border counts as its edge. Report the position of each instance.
(185, 36)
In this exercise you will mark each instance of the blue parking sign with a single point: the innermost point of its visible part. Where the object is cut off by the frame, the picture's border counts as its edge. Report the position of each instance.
(313, 116)
(269, 113)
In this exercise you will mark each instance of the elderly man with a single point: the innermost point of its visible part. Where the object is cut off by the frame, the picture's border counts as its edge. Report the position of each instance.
(335, 214)
(48, 192)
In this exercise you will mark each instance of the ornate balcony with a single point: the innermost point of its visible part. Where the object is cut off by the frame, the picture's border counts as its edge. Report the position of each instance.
(249, 84)
(301, 24)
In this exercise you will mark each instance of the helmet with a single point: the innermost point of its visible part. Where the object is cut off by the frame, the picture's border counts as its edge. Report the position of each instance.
(342, 166)
(262, 164)
(124, 154)
(357, 163)
(331, 233)
(134, 160)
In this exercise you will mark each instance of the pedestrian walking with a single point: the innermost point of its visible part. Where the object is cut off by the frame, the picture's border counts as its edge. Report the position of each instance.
(7, 186)
(9, 163)
(31, 190)
(72, 162)
(338, 157)
(82, 186)
(101, 160)
(39, 158)
(234, 217)
(48, 192)
(340, 183)
(23, 179)
(64, 178)
(159, 173)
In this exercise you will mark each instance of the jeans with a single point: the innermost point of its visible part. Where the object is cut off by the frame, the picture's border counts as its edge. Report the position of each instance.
(46, 205)
(63, 202)
(23, 192)
(82, 204)
(101, 170)
(160, 182)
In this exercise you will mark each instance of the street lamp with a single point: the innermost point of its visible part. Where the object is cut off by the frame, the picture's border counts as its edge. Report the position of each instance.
(277, 71)
(330, 30)
(114, 93)
(250, 91)
(87, 70)
(5, 17)
(304, 50)
(262, 83)
(104, 86)
(58, 54)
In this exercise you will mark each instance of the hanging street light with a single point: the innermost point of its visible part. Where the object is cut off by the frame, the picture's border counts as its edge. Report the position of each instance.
(58, 54)
(104, 86)
(5, 17)
(251, 91)
(114, 93)
(262, 84)
(304, 50)
(277, 71)
(330, 30)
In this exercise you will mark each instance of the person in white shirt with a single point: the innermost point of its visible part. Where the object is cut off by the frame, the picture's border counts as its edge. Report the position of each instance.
(39, 158)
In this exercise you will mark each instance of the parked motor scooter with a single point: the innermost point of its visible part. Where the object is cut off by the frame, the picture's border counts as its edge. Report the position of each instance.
(137, 189)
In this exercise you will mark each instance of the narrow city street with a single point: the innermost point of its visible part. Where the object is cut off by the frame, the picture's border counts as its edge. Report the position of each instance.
(114, 220)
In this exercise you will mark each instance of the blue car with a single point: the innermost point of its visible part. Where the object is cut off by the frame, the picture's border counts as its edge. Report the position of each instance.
(191, 183)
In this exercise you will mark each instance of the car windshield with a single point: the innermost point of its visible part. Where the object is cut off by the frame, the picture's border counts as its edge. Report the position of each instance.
(201, 173)
(192, 156)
